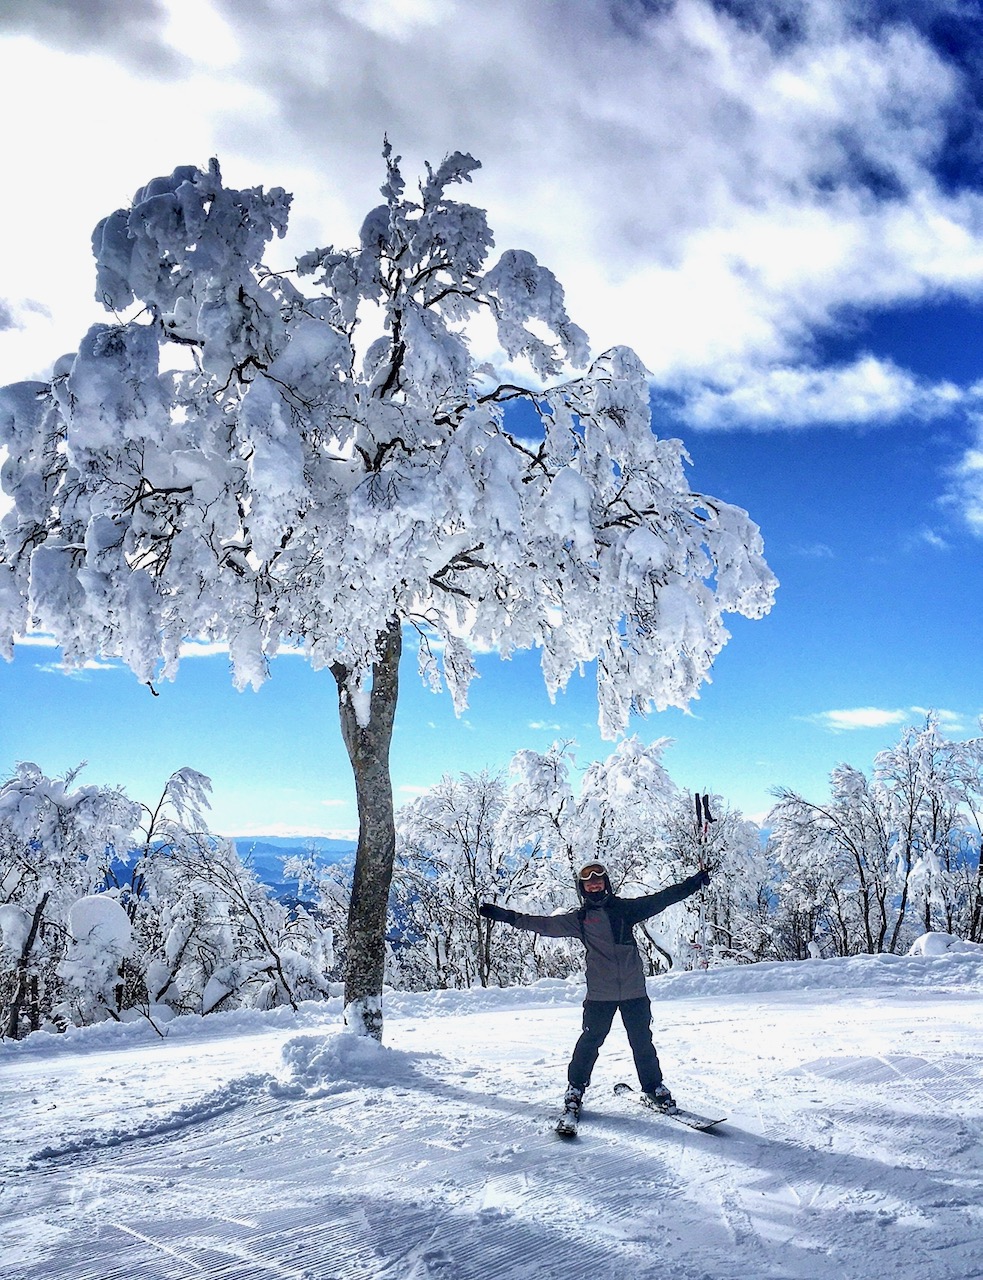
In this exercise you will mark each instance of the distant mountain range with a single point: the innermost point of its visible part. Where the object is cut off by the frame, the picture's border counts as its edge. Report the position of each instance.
(265, 854)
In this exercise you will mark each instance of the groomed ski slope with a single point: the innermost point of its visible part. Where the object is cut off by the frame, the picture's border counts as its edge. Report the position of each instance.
(262, 1146)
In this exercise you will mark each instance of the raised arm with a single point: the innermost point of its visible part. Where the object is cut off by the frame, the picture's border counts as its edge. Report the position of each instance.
(652, 903)
(566, 925)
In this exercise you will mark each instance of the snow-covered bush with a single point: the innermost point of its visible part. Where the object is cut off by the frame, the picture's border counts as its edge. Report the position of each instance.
(100, 914)
(211, 934)
(887, 856)
(214, 937)
(57, 845)
(100, 939)
(940, 944)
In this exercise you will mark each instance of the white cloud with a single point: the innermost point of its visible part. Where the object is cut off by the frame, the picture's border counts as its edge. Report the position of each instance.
(190, 649)
(80, 672)
(542, 725)
(38, 639)
(879, 718)
(815, 551)
(867, 391)
(706, 192)
(859, 718)
(204, 649)
(220, 648)
(928, 538)
(288, 831)
(965, 484)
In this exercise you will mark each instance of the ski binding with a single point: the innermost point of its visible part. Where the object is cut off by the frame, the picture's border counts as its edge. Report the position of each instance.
(567, 1124)
(689, 1118)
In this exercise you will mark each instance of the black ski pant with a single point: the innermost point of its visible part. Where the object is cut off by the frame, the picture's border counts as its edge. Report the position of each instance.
(598, 1017)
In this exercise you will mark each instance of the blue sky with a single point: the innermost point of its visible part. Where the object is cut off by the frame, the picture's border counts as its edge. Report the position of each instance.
(784, 217)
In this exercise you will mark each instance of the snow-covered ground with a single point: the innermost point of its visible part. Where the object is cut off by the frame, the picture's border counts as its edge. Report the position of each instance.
(262, 1146)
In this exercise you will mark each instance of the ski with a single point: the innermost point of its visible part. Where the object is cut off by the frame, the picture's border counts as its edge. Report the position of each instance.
(567, 1124)
(689, 1118)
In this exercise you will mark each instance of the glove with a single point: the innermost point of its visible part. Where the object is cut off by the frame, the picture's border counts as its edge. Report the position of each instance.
(491, 912)
(704, 875)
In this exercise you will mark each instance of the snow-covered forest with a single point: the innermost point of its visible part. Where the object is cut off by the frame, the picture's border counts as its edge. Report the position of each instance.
(118, 910)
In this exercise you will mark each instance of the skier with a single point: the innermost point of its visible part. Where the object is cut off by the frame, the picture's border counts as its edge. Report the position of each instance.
(615, 979)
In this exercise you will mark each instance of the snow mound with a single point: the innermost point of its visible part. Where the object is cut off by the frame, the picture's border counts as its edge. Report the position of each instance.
(97, 922)
(938, 944)
(322, 1065)
(136, 1027)
(15, 925)
(960, 967)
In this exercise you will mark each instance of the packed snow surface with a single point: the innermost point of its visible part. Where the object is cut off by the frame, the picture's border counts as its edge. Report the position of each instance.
(250, 1146)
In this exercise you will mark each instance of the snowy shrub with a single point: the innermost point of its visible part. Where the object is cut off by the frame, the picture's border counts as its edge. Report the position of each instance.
(57, 845)
(100, 938)
(885, 857)
(940, 944)
(99, 914)
(214, 937)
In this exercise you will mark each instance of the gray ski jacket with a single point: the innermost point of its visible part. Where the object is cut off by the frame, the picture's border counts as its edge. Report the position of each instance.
(614, 966)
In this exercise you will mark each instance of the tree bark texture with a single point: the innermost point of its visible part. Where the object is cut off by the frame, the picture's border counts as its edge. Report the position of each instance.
(976, 923)
(368, 749)
(12, 1025)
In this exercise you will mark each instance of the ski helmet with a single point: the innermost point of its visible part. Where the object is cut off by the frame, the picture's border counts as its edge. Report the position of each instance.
(592, 871)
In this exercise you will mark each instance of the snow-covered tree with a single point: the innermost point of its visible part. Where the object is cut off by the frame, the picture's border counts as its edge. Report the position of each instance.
(454, 851)
(621, 814)
(734, 910)
(855, 864)
(839, 871)
(625, 811)
(615, 814)
(211, 935)
(934, 790)
(449, 861)
(288, 483)
(57, 844)
(100, 915)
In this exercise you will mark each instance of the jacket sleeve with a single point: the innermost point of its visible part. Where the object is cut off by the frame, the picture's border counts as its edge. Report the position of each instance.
(651, 904)
(566, 925)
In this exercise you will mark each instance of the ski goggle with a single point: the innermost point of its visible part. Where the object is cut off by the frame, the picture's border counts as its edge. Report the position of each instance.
(593, 871)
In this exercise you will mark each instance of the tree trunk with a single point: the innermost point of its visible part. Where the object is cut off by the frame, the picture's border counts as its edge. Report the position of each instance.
(976, 919)
(899, 921)
(12, 1025)
(368, 750)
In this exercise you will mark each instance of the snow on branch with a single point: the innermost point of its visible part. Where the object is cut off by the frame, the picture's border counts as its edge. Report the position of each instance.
(283, 486)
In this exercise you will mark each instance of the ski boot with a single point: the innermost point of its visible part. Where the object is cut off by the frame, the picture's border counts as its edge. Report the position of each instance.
(661, 1099)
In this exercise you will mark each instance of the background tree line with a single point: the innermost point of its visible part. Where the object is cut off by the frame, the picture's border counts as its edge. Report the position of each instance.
(110, 909)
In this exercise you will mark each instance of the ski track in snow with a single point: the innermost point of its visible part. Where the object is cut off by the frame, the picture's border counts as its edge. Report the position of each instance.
(279, 1150)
